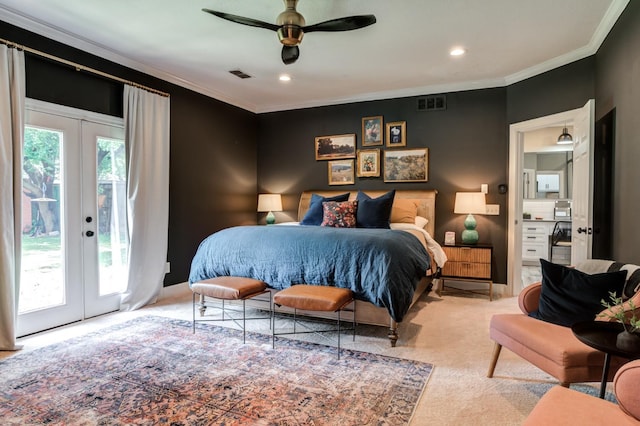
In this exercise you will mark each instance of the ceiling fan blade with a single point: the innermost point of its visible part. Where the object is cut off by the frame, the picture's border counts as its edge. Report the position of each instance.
(242, 20)
(290, 54)
(342, 24)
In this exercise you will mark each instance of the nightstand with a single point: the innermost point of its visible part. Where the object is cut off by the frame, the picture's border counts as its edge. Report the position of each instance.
(468, 263)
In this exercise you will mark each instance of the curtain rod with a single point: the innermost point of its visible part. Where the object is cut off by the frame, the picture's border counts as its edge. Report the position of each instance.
(79, 67)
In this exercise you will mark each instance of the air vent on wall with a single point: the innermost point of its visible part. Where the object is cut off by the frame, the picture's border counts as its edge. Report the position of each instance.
(240, 74)
(432, 103)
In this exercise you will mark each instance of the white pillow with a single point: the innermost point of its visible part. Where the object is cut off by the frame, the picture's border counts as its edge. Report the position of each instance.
(421, 222)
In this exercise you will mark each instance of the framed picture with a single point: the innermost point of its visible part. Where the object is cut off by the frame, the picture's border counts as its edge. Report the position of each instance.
(372, 131)
(368, 163)
(406, 165)
(335, 147)
(397, 134)
(341, 172)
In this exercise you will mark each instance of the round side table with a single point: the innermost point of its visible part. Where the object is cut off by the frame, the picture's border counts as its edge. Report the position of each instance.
(602, 335)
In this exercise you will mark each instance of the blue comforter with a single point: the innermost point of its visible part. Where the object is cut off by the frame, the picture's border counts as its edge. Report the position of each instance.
(381, 266)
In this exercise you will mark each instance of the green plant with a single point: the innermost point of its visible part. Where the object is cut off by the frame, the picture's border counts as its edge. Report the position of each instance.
(614, 310)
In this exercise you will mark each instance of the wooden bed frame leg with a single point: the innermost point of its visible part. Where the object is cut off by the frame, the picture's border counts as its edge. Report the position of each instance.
(202, 305)
(393, 333)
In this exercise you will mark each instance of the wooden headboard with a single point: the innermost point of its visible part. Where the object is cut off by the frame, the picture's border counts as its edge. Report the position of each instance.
(426, 202)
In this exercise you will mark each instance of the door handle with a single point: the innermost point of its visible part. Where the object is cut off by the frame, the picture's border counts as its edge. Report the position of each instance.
(587, 231)
(89, 233)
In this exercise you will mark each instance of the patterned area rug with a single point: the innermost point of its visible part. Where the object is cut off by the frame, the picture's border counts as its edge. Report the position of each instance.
(153, 370)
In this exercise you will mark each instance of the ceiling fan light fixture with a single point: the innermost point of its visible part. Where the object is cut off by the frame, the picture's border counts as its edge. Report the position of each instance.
(565, 138)
(290, 54)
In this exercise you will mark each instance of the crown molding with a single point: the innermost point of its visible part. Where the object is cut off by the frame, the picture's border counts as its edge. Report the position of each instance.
(390, 94)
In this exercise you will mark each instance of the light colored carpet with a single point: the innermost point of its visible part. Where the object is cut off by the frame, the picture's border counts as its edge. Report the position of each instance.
(451, 332)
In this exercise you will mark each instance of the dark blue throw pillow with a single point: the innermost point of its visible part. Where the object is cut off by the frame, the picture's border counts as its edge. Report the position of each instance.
(313, 216)
(374, 212)
(569, 296)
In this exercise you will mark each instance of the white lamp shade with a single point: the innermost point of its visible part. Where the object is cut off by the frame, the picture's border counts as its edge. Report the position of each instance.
(269, 203)
(470, 202)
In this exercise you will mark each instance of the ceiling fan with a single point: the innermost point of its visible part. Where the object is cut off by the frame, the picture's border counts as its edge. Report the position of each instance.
(291, 27)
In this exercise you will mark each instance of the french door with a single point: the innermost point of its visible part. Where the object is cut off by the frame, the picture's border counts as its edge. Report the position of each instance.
(74, 233)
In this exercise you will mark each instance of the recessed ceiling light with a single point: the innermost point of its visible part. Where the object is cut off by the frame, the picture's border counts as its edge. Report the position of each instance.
(457, 51)
(285, 77)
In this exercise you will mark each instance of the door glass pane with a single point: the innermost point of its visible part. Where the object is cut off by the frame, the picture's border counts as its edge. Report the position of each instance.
(42, 271)
(112, 218)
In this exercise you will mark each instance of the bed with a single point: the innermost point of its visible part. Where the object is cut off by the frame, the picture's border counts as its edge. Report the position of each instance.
(388, 269)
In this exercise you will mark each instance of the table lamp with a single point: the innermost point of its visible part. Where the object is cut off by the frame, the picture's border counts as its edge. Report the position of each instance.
(469, 203)
(270, 203)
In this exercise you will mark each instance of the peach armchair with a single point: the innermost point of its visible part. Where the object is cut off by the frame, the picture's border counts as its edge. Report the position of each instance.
(550, 347)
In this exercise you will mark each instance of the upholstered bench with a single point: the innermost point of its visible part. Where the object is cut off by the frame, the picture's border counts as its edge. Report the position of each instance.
(229, 288)
(314, 298)
(554, 348)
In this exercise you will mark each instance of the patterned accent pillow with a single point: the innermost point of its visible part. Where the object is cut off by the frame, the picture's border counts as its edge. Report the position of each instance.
(339, 214)
(632, 285)
(313, 216)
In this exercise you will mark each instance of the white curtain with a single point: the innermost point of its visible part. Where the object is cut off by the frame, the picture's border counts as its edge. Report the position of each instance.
(146, 117)
(12, 95)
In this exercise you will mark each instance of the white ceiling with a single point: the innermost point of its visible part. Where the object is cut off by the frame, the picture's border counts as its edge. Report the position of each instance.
(404, 54)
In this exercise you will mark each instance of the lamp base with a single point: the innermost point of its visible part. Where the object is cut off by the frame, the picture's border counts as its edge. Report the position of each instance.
(470, 235)
(271, 218)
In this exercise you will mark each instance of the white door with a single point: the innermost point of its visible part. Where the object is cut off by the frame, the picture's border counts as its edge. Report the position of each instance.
(104, 223)
(72, 250)
(582, 206)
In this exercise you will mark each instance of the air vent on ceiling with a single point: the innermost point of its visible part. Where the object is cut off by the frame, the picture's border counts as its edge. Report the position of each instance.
(239, 74)
(432, 103)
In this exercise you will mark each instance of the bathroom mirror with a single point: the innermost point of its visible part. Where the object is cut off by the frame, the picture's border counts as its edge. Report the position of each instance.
(548, 175)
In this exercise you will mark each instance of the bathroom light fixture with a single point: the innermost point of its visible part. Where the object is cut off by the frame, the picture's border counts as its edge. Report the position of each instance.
(457, 51)
(285, 77)
(565, 137)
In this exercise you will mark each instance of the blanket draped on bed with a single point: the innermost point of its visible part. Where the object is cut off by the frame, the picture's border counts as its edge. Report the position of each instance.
(382, 266)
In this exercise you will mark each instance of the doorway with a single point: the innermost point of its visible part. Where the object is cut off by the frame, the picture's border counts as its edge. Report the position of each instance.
(603, 186)
(74, 237)
(581, 187)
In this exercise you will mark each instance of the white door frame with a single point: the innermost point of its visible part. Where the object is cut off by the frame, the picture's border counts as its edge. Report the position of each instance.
(514, 211)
